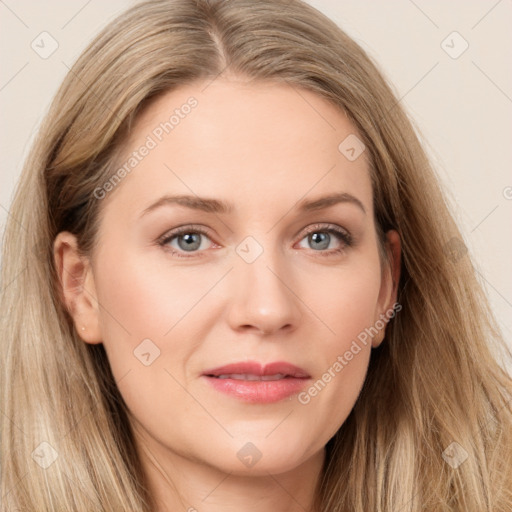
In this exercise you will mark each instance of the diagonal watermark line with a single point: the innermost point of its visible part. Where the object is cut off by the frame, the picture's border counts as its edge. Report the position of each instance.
(76, 423)
(217, 486)
(199, 300)
(215, 78)
(419, 81)
(425, 14)
(14, 76)
(101, 305)
(89, 412)
(88, 88)
(13, 423)
(411, 89)
(2, 288)
(218, 218)
(109, 313)
(507, 404)
(298, 92)
(80, 488)
(154, 460)
(491, 80)
(409, 502)
(15, 485)
(76, 14)
(401, 291)
(497, 412)
(485, 15)
(200, 404)
(483, 277)
(492, 211)
(2, 2)
(286, 491)
(301, 300)
(279, 424)
(13, 218)
(310, 189)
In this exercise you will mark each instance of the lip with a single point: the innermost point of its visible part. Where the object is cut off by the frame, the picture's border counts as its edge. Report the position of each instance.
(292, 381)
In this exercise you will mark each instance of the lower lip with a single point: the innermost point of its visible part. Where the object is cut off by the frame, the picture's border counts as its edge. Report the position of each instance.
(258, 391)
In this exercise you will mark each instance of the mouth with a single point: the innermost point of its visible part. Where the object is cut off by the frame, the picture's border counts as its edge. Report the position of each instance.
(250, 376)
(256, 383)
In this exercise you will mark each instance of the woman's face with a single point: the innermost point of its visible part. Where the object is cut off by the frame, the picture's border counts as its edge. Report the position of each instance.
(275, 270)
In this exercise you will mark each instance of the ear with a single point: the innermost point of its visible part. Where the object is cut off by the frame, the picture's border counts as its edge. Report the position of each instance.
(389, 284)
(77, 287)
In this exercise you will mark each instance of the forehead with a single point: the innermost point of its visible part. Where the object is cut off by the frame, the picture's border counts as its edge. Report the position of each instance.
(257, 145)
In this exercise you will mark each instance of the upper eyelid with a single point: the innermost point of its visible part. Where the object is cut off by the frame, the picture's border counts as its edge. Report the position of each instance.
(323, 226)
(192, 228)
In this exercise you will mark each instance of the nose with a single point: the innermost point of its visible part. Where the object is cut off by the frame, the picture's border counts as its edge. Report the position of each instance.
(263, 299)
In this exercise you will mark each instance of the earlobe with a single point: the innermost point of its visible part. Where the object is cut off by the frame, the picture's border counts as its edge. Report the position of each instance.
(389, 285)
(77, 287)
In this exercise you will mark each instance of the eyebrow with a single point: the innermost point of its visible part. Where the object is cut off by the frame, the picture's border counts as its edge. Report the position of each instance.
(211, 205)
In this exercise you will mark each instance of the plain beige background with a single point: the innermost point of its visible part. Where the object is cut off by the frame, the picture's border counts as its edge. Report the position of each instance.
(449, 63)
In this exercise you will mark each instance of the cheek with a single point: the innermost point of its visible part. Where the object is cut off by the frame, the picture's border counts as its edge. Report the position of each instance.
(153, 318)
(149, 316)
(145, 300)
(345, 300)
(346, 306)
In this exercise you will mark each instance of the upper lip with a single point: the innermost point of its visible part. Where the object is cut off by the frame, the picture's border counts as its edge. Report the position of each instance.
(259, 369)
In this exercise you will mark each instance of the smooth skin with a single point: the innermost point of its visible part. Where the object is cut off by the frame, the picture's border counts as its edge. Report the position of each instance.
(263, 148)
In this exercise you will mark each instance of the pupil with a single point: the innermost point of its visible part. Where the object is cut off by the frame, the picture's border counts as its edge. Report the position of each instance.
(190, 241)
(317, 237)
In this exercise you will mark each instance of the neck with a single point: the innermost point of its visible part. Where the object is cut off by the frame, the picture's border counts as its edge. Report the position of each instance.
(177, 482)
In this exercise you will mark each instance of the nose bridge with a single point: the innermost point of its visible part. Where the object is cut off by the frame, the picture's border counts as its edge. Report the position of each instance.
(263, 281)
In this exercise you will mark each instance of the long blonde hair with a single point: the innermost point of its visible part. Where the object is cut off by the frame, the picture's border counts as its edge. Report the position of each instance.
(434, 392)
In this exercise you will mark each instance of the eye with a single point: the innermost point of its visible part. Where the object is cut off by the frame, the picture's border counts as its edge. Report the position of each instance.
(188, 239)
(320, 237)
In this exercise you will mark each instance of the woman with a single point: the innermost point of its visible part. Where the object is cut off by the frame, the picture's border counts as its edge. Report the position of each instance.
(174, 336)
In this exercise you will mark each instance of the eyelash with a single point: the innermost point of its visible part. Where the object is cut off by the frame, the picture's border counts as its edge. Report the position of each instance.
(341, 234)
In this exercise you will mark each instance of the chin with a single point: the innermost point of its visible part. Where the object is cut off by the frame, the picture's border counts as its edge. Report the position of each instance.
(263, 456)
